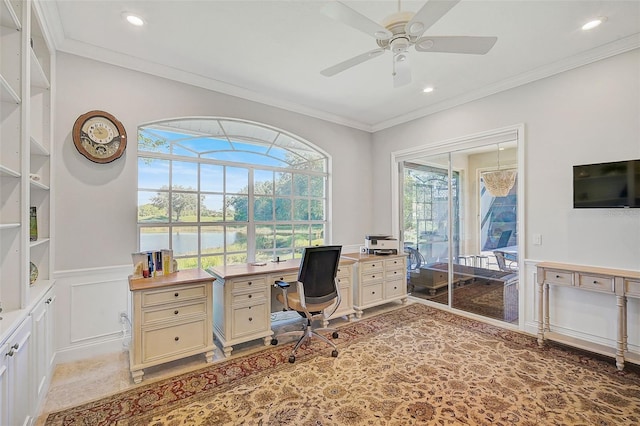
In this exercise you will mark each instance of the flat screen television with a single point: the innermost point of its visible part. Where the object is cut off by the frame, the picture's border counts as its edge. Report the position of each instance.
(607, 185)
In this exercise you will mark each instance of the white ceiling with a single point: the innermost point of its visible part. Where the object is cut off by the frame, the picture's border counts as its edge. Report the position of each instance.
(273, 51)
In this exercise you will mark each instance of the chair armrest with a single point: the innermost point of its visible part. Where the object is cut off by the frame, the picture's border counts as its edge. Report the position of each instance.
(282, 284)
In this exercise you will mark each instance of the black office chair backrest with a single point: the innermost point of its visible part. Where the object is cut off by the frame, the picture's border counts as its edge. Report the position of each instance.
(318, 271)
(504, 239)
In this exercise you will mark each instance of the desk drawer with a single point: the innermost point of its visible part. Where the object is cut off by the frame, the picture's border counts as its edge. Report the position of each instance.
(342, 281)
(394, 274)
(343, 271)
(371, 293)
(396, 263)
(394, 288)
(173, 313)
(248, 320)
(248, 284)
(558, 277)
(368, 267)
(596, 282)
(164, 342)
(372, 276)
(249, 297)
(632, 288)
(174, 294)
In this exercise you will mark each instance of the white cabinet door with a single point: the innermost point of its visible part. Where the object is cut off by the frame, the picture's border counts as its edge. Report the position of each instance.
(4, 383)
(18, 353)
(42, 316)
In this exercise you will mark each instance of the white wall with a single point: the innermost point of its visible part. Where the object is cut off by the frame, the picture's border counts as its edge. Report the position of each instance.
(95, 204)
(587, 115)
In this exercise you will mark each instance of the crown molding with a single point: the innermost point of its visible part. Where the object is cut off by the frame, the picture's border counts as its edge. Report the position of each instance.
(63, 44)
(608, 50)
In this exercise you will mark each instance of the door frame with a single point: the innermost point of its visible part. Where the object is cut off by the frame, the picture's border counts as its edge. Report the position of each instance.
(490, 137)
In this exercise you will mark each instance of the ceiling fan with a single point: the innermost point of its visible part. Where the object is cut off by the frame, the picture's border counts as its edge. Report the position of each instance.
(401, 30)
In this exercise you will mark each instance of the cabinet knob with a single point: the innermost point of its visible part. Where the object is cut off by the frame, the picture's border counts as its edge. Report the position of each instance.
(176, 294)
(373, 292)
(175, 312)
(557, 276)
(13, 349)
(176, 338)
(249, 283)
(48, 301)
(373, 276)
(250, 318)
(595, 282)
(250, 296)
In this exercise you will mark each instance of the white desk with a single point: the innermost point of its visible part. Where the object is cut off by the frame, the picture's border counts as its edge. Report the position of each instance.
(242, 299)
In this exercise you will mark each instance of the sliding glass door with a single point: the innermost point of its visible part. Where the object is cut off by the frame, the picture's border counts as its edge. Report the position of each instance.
(459, 222)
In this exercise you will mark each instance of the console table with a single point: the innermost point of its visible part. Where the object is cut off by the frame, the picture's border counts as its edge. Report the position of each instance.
(618, 282)
(171, 319)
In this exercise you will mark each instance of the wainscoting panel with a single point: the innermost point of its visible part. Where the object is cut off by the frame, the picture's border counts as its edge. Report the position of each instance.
(88, 320)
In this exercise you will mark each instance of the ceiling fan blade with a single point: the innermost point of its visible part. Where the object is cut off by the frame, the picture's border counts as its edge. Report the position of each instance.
(401, 70)
(428, 15)
(456, 44)
(342, 66)
(343, 13)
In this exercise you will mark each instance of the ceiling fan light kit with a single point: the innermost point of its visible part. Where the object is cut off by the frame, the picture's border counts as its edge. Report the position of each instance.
(401, 30)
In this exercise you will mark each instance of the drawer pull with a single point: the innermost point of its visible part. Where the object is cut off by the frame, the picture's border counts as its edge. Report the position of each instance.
(250, 318)
(48, 301)
(13, 349)
(373, 292)
(373, 276)
(176, 294)
(395, 288)
(557, 276)
(175, 312)
(249, 283)
(176, 338)
(250, 296)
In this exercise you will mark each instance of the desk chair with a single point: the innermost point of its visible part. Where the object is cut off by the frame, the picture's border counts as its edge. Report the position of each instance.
(316, 291)
(505, 264)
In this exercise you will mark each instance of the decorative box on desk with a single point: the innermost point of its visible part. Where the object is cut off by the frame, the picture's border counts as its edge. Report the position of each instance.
(172, 316)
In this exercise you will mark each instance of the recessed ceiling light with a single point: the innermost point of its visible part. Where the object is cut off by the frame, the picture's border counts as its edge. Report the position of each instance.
(133, 19)
(593, 23)
(428, 89)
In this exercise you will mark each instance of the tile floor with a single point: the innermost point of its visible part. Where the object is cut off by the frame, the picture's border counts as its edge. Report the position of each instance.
(82, 381)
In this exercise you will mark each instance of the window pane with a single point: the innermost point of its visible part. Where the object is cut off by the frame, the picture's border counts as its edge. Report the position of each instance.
(187, 263)
(152, 207)
(283, 183)
(284, 236)
(236, 208)
(317, 210)
(317, 234)
(264, 255)
(155, 238)
(236, 258)
(301, 210)
(263, 209)
(283, 209)
(211, 208)
(317, 186)
(265, 236)
(184, 206)
(211, 261)
(284, 254)
(184, 175)
(301, 185)
(153, 173)
(152, 141)
(301, 236)
(263, 182)
(184, 240)
(211, 178)
(212, 239)
(237, 180)
(237, 238)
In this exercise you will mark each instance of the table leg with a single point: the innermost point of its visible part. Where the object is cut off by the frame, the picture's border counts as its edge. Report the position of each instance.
(540, 314)
(620, 344)
(546, 308)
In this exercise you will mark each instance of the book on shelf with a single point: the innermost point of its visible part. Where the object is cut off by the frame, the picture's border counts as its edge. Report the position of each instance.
(153, 263)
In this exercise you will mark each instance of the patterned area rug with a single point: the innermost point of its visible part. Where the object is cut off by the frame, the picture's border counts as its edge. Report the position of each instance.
(413, 365)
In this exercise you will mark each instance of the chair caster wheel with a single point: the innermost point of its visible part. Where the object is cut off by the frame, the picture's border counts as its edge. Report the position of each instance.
(292, 359)
(334, 353)
(274, 342)
(335, 335)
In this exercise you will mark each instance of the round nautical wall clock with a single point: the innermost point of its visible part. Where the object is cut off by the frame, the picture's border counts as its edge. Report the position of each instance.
(99, 136)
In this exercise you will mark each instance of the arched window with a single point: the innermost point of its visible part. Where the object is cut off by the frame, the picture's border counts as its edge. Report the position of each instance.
(223, 191)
